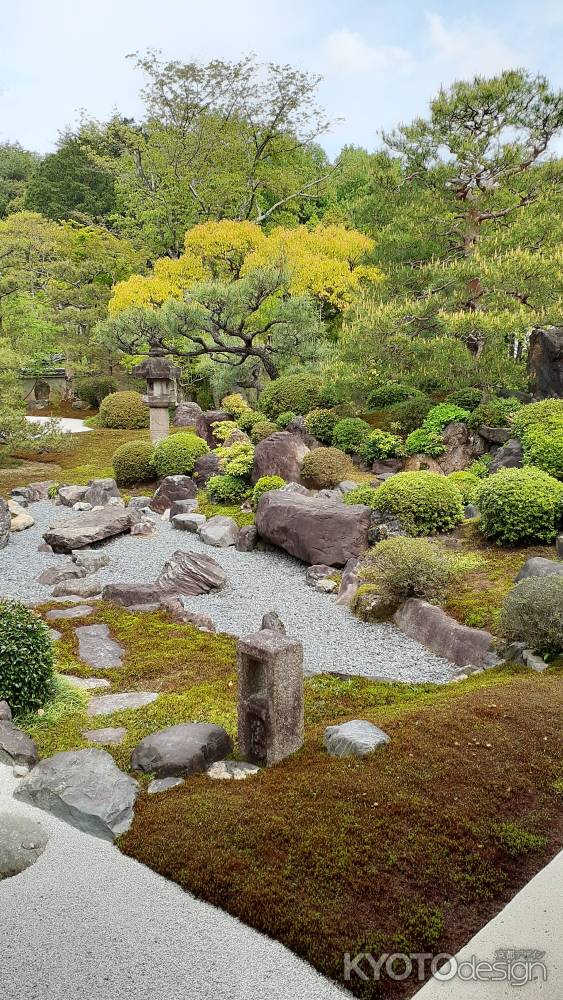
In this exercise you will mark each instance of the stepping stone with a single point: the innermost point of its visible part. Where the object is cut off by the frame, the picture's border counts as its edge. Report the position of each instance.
(108, 703)
(54, 634)
(87, 683)
(80, 611)
(97, 648)
(106, 737)
(77, 588)
(353, 739)
(163, 784)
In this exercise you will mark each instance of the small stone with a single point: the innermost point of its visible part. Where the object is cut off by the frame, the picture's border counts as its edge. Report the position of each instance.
(44, 547)
(144, 528)
(326, 586)
(219, 531)
(533, 661)
(90, 561)
(271, 622)
(188, 522)
(347, 485)
(20, 519)
(16, 747)
(559, 546)
(140, 503)
(247, 539)
(227, 770)
(106, 704)
(59, 574)
(5, 712)
(82, 505)
(182, 507)
(317, 572)
(22, 841)
(87, 683)
(54, 634)
(82, 611)
(20, 770)
(163, 784)
(105, 737)
(77, 588)
(353, 739)
(470, 511)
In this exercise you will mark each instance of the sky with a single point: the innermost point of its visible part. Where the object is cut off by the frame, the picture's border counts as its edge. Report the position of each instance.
(380, 62)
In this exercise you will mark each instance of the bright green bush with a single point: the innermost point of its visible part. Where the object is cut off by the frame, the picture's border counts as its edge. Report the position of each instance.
(222, 429)
(468, 399)
(407, 416)
(520, 506)
(176, 455)
(92, 389)
(379, 445)
(26, 658)
(237, 459)
(133, 463)
(390, 392)
(466, 482)
(401, 568)
(349, 434)
(443, 414)
(284, 419)
(324, 468)
(321, 424)
(425, 442)
(247, 420)
(299, 393)
(227, 489)
(262, 430)
(364, 494)
(544, 412)
(533, 613)
(235, 404)
(540, 429)
(424, 502)
(264, 485)
(480, 467)
(124, 411)
(494, 412)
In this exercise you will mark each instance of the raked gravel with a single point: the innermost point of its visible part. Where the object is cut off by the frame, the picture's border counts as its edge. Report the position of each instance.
(87, 922)
(257, 582)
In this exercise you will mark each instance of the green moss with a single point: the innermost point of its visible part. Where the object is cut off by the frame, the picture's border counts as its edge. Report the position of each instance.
(516, 841)
(205, 506)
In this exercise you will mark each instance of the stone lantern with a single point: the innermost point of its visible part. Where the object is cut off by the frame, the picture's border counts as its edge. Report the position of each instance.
(162, 393)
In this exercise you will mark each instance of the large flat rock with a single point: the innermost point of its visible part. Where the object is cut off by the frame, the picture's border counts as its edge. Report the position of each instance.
(312, 529)
(185, 749)
(106, 704)
(435, 629)
(94, 526)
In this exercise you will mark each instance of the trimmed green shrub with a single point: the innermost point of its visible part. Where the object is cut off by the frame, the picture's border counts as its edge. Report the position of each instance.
(424, 502)
(227, 489)
(284, 419)
(264, 485)
(324, 468)
(466, 483)
(494, 412)
(124, 411)
(262, 430)
(390, 392)
(133, 463)
(176, 455)
(26, 658)
(349, 434)
(425, 442)
(546, 411)
(480, 467)
(468, 399)
(443, 414)
(533, 613)
(93, 389)
(364, 494)
(235, 404)
(321, 424)
(540, 429)
(520, 506)
(407, 567)
(247, 420)
(222, 429)
(237, 459)
(407, 416)
(380, 444)
(299, 393)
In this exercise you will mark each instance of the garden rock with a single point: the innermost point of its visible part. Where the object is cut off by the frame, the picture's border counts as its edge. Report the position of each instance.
(106, 704)
(82, 506)
(210, 417)
(388, 466)
(20, 519)
(69, 495)
(86, 789)
(97, 648)
(422, 463)
(353, 739)
(163, 785)
(229, 770)
(533, 661)
(182, 507)
(559, 546)
(538, 566)
(509, 456)
(100, 492)
(470, 511)
(349, 582)
(188, 522)
(133, 595)
(205, 467)
(346, 486)
(281, 454)
(5, 523)
(5, 712)
(34, 492)
(65, 614)
(190, 573)
(315, 531)
(459, 448)
(172, 488)
(219, 531)
(140, 502)
(91, 561)
(315, 574)
(271, 622)
(22, 842)
(188, 748)
(188, 415)
(144, 528)
(106, 737)
(545, 362)
(16, 747)
(247, 538)
(94, 526)
(87, 683)
(58, 574)
(174, 607)
(298, 426)
(431, 626)
(77, 588)
(495, 435)
(297, 488)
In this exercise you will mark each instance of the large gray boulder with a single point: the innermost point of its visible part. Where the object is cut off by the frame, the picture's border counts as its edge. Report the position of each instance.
(69, 495)
(190, 573)
(22, 841)
(316, 531)
(5, 522)
(432, 627)
(172, 488)
(100, 492)
(509, 456)
(545, 362)
(185, 749)
(188, 415)
(280, 454)
(353, 739)
(219, 531)
(16, 747)
(93, 526)
(85, 788)
(538, 566)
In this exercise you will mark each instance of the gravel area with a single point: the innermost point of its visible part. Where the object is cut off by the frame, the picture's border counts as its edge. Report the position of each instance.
(85, 921)
(257, 582)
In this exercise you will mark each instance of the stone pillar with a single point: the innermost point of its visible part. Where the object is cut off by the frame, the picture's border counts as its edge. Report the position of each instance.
(270, 698)
(159, 423)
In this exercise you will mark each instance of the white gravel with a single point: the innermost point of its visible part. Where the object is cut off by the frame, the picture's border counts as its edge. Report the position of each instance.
(85, 921)
(70, 425)
(257, 582)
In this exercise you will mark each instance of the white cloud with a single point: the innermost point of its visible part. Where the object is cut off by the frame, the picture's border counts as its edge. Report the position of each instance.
(348, 53)
(470, 47)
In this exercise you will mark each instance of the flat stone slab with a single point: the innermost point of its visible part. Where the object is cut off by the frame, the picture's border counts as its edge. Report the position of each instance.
(163, 784)
(94, 526)
(353, 739)
(105, 737)
(188, 522)
(58, 574)
(77, 588)
(184, 749)
(97, 648)
(22, 841)
(106, 704)
(80, 611)
(87, 683)
(229, 770)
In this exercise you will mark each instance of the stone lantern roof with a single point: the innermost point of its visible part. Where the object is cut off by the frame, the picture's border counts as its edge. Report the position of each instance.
(156, 367)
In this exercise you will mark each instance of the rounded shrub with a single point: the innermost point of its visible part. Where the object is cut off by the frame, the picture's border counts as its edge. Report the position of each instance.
(264, 485)
(324, 468)
(26, 658)
(533, 613)
(364, 494)
(226, 489)
(425, 442)
(540, 429)
(284, 419)
(262, 430)
(390, 392)
(222, 429)
(235, 404)
(299, 393)
(468, 399)
(407, 416)
(494, 412)
(93, 389)
(124, 411)
(401, 568)
(443, 414)
(133, 463)
(247, 420)
(520, 505)
(424, 502)
(237, 459)
(349, 434)
(380, 445)
(466, 482)
(321, 423)
(176, 454)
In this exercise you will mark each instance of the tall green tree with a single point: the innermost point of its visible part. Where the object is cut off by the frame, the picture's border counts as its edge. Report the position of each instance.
(16, 167)
(71, 184)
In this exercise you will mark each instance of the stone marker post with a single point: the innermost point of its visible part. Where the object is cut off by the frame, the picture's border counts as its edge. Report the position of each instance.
(162, 377)
(270, 699)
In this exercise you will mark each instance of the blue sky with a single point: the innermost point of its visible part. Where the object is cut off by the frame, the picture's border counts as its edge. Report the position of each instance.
(381, 62)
